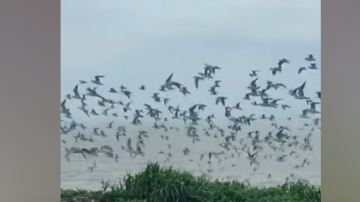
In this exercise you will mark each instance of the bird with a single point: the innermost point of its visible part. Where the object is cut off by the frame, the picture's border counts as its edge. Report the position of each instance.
(97, 80)
(301, 69)
(304, 114)
(312, 66)
(318, 93)
(197, 79)
(220, 99)
(76, 93)
(253, 73)
(310, 58)
(237, 106)
(313, 107)
(300, 92)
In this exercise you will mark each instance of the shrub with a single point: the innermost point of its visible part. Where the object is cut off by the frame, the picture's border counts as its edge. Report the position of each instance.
(165, 184)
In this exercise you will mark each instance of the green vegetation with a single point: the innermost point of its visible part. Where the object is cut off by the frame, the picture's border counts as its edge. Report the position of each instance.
(159, 184)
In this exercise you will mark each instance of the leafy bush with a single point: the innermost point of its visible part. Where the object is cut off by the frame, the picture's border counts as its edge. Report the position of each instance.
(164, 184)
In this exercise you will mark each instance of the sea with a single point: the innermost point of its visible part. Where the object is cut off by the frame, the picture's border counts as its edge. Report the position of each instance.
(78, 172)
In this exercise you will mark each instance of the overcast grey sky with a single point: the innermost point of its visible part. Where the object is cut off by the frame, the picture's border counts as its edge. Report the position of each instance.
(143, 42)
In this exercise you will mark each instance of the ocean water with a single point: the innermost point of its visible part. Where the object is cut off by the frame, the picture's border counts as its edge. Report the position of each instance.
(76, 173)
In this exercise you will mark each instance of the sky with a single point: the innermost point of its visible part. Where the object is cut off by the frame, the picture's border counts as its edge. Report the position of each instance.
(143, 42)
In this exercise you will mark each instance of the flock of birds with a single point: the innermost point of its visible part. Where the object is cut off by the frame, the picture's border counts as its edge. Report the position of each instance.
(234, 141)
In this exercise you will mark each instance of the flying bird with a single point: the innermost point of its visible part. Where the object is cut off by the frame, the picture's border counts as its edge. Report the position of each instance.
(301, 69)
(220, 99)
(310, 58)
(197, 79)
(97, 80)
